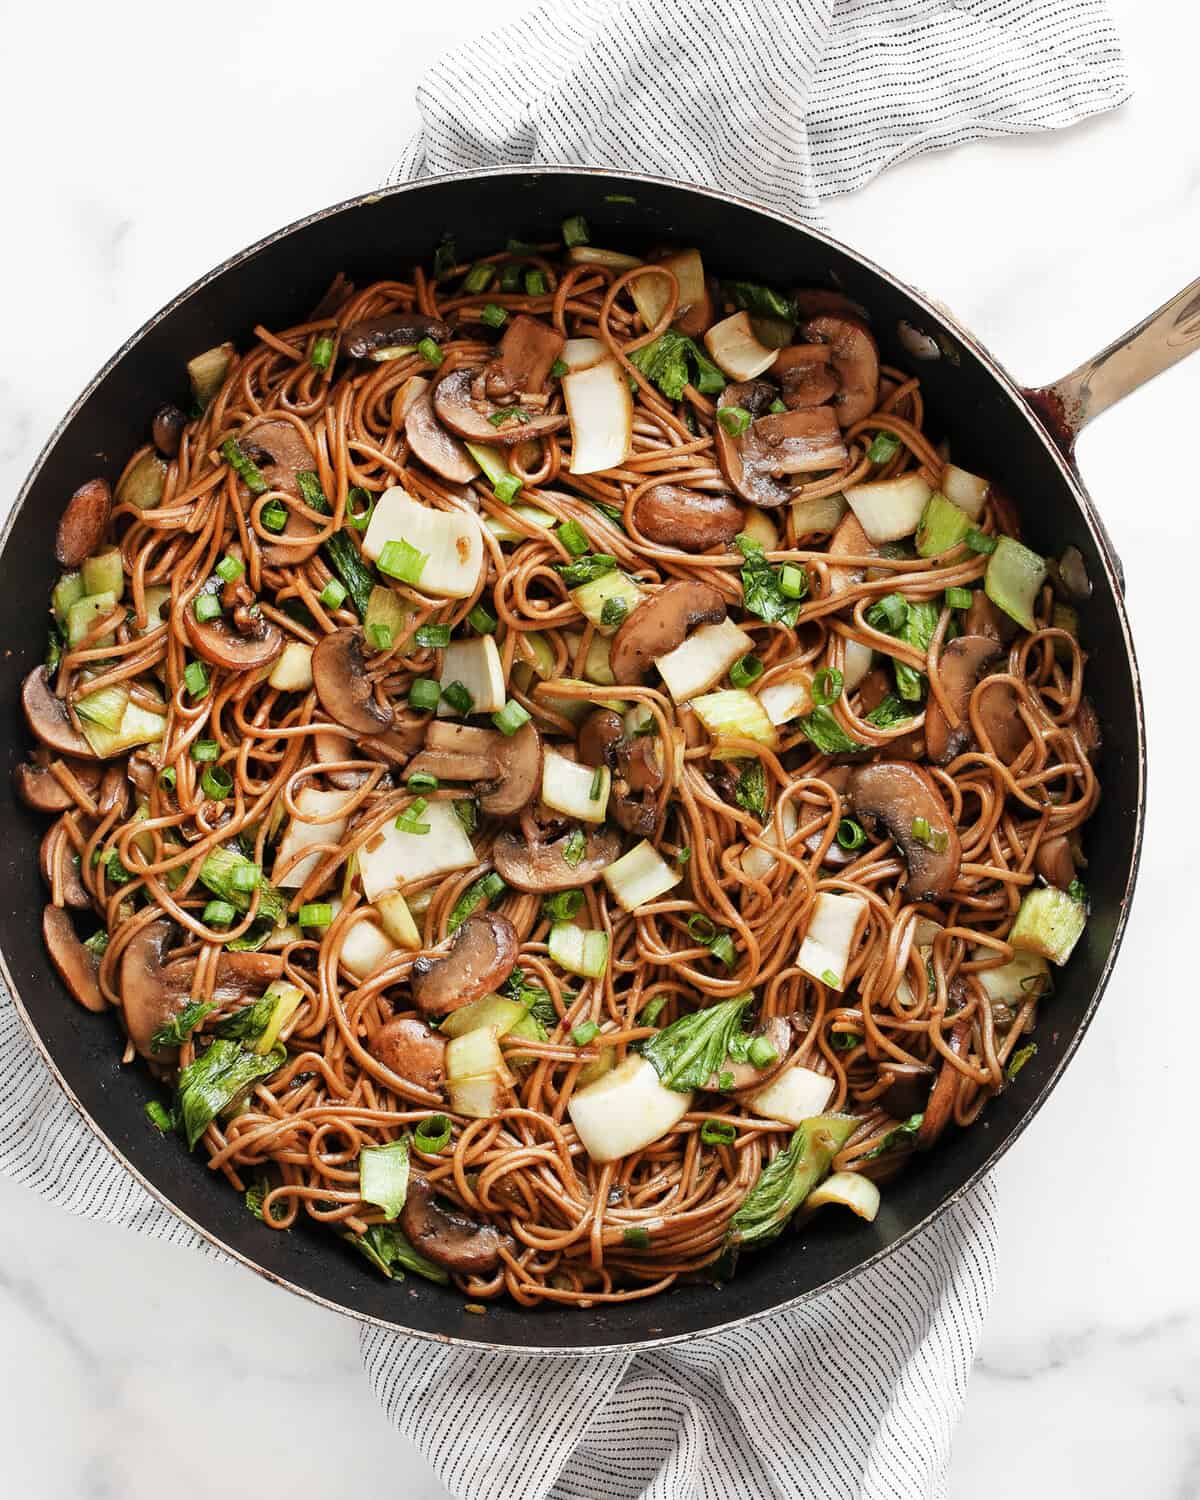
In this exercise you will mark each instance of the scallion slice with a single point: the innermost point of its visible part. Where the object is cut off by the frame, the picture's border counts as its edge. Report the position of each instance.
(409, 820)
(884, 447)
(493, 315)
(478, 278)
(535, 283)
(422, 781)
(315, 914)
(571, 534)
(793, 581)
(745, 670)
(507, 488)
(206, 607)
(734, 419)
(458, 697)
(850, 835)
(430, 352)
(401, 560)
(218, 914)
(958, 598)
(482, 621)
(274, 516)
(575, 231)
(243, 466)
(195, 678)
(433, 636)
(511, 717)
(423, 693)
(333, 595)
(827, 686)
(322, 352)
(360, 506)
(204, 750)
(582, 1034)
(216, 783)
(432, 1135)
(718, 1132)
(230, 568)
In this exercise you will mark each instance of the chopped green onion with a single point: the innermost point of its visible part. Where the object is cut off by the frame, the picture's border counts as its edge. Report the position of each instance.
(889, 613)
(734, 419)
(884, 447)
(636, 1237)
(777, 407)
(506, 488)
(360, 507)
(851, 835)
(432, 1135)
(581, 1035)
(478, 278)
(245, 468)
(510, 414)
(761, 1053)
(206, 750)
(793, 581)
(219, 914)
(315, 914)
(979, 541)
(586, 569)
(575, 848)
(511, 717)
(684, 855)
(718, 1133)
(597, 784)
(613, 610)
(274, 516)
(206, 607)
(571, 534)
(230, 568)
(333, 595)
(935, 839)
(492, 315)
(921, 830)
(958, 598)
(216, 782)
(245, 878)
(535, 283)
(457, 696)
(409, 820)
(433, 636)
(379, 637)
(563, 906)
(482, 620)
(166, 779)
(827, 686)
(422, 781)
(159, 1117)
(830, 978)
(309, 484)
(558, 369)
(423, 694)
(322, 352)
(430, 352)
(745, 670)
(724, 1081)
(650, 1012)
(195, 678)
(722, 947)
(575, 230)
(701, 928)
(400, 559)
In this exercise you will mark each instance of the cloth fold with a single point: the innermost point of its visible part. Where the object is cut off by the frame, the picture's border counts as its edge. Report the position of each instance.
(854, 1394)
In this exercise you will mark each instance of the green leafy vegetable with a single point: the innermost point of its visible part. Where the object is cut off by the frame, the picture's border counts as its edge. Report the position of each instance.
(249, 1023)
(216, 1079)
(1019, 1058)
(584, 569)
(788, 1179)
(669, 362)
(912, 621)
(255, 1197)
(180, 1026)
(383, 1175)
(159, 1116)
(390, 1252)
(898, 1137)
(751, 790)
(217, 873)
(826, 733)
(482, 892)
(762, 301)
(691, 1049)
(536, 1000)
(889, 712)
(343, 557)
(762, 594)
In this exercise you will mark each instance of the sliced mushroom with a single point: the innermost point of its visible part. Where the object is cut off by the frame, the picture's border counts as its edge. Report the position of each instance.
(635, 788)
(1055, 862)
(523, 360)
(40, 789)
(434, 446)
(46, 715)
(412, 1051)
(962, 663)
(848, 540)
(775, 444)
(855, 360)
(599, 735)
(78, 967)
(986, 618)
(222, 643)
(819, 301)
(941, 1099)
(466, 413)
(153, 991)
(57, 857)
(671, 515)
(777, 1031)
(890, 797)
(806, 375)
(1002, 722)
(448, 1236)
(166, 428)
(82, 524)
(544, 867)
(396, 331)
(506, 769)
(330, 748)
(280, 452)
(480, 958)
(1087, 727)
(347, 694)
(659, 624)
(908, 1090)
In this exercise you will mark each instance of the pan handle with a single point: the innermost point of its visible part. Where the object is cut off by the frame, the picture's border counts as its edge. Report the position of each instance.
(1149, 348)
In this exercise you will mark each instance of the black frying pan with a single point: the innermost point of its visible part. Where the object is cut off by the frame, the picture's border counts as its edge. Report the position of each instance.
(1022, 441)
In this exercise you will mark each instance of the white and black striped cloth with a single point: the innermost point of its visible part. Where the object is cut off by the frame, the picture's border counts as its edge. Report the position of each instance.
(855, 1395)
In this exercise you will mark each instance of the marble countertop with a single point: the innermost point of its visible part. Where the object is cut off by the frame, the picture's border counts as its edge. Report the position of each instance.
(132, 1367)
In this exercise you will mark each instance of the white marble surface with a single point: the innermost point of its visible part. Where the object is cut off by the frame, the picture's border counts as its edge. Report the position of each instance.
(131, 1369)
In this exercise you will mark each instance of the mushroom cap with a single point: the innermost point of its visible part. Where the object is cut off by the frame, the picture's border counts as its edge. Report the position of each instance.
(56, 856)
(447, 1236)
(347, 694)
(78, 967)
(412, 1051)
(908, 1092)
(1055, 862)
(997, 706)
(46, 715)
(855, 361)
(941, 1097)
(524, 358)
(82, 524)
(329, 747)
(506, 769)
(280, 450)
(790, 442)
(391, 332)
(541, 867)
(962, 663)
(520, 773)
(434, 446)
(889, 795)
(986, 618)
(219, 642)
(598, 738)
(659, 624)
(481, 956)
(38, 787)
(671, 515)
(166, 428)
(457, 408)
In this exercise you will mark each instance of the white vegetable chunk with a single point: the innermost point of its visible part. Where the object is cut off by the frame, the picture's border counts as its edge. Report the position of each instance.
(292, 673)
(734, 713)
(300, 833)
(392, 859)
(888, 509)
(793, 1096)
(476, 664)
(451, 540)
(626, 1110)
(567, 787)
(703, 659)
(600, 407)
(582, 354)
(1014, 982)
(858, 659)
(852, 1190)
(757, 862)
(733, 345)
(639, 877)
(787, 700)
(965, 490)
(366, 946)
(825, 951)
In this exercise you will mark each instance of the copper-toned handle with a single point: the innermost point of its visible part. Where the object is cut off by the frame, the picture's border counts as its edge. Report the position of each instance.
(1154, 345)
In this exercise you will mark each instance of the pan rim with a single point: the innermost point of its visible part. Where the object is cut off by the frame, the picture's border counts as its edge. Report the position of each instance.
(1015, 393)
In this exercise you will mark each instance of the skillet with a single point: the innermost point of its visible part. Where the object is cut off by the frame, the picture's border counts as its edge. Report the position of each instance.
(1021, 439)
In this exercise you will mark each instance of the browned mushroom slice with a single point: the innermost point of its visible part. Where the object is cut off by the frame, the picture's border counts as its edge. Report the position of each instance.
(817, 301)
(46, 715)
(941, 1099)
(545, 867)
(962, 663)
(986, 618)
(396, 745)
(744, 1075)
(523, 360)
(166, 428)
(506, 769)
(903, 801)
(57, 858)
(81, 526)
(659, 624)
(154, 991)
(1002, 722)
(848, 540)
(39, 788)
(347, 694)
(329, 748)
(1055, 862)
(775, 444)
(599, 735)
(434, 446)
(396, 331)
(412, 1051)
(671, 515)
(459, 408)
(855, 360)
(480, 958)
(77, 966)
(222, 643)
(280, 451)
(1087, 727)
(908, 1090)
(635, 788)
(806, 375)
(447, 1236)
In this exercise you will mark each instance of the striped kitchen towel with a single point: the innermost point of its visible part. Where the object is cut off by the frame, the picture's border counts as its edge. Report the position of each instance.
(854, 1395)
